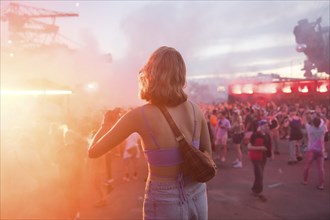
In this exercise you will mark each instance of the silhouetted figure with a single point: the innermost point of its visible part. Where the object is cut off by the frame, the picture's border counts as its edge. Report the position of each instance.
(70, 159)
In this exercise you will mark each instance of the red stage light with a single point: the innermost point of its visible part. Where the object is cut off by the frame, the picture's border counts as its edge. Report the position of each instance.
(303, 89)
(322, 88)
(287, 89)
(236, 89)
(247, 89)
(268, 88)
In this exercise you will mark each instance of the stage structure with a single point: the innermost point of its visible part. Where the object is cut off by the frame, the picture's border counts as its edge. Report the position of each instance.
(284, 90)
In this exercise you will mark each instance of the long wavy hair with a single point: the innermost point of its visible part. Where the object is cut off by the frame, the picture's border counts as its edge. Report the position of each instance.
(163, 78)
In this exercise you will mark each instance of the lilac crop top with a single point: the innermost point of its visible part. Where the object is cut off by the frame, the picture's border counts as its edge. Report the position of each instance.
(166, 156)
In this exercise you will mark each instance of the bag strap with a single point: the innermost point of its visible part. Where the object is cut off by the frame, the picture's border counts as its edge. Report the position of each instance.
(178, 134)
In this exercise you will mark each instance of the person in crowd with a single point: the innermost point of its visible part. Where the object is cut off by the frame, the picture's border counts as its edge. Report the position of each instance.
(168, 194)
(284, 128)
(110, 118)
(99, 173)
(315, 150)
(221, 136)
(274, 133)
(295, 137)
(71, 158)
(130, 156)
(259, 150)
(56, 141)
(304, 140)
(248, 125)
(211, 130)
(214, 118)
(326, 139)
(324, 120)
(213, 121)
(237, 129)
(262, 114)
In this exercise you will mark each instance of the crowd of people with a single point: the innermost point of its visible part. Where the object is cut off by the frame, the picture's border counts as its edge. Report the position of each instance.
(302, 128)
(130, 133)
(285, 122)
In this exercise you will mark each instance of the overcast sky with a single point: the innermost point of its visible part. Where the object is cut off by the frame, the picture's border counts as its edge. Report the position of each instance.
(215, 37)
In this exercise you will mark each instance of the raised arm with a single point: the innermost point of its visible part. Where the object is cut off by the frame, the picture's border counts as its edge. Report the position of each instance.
(105, 139)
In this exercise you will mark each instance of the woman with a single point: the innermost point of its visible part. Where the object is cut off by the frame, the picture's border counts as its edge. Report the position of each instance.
(274, 133)
(260, 148)
(315, 150)
(168, 195)
(221, 136)
(238, 134)
(295, 137)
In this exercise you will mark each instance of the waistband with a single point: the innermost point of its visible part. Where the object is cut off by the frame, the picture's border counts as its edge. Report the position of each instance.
(177, 183)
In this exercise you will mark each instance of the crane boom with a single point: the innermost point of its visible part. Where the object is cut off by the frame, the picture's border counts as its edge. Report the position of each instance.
(25, 23)
(34, 12)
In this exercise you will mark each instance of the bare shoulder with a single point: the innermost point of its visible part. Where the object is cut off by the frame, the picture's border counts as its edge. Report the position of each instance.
(143, 110)
(133, 114)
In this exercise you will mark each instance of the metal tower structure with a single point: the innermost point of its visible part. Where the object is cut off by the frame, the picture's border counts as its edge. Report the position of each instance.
(27, 26)
(313, 40)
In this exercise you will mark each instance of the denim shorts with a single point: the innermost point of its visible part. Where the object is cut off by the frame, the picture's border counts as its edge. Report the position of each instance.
(164, 200)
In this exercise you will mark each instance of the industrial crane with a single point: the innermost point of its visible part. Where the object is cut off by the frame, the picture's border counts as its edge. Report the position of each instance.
(26, 27)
